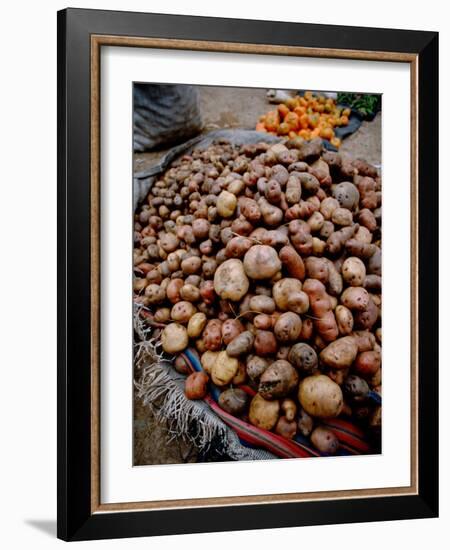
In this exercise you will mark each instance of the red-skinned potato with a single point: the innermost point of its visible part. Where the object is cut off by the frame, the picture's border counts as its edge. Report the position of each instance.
(212, 335)
(196, 385)
(367, 363)
(324, 320)
(230, 329)
(265, 343)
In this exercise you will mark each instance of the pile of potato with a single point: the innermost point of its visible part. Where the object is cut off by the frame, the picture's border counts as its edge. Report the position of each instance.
(267, 260)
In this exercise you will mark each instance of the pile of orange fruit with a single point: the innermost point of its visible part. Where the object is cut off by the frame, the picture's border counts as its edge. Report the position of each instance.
(308, 116)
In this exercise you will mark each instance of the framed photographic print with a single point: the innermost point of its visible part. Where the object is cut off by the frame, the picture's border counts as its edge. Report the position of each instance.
(248, 299)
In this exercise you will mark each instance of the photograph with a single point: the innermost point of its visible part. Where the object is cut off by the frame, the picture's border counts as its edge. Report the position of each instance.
(257, 274)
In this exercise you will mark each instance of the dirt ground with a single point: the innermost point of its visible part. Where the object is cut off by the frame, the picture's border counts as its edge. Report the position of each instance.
(226, 108)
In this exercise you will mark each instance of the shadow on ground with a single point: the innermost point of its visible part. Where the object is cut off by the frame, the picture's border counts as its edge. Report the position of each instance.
(46, 526)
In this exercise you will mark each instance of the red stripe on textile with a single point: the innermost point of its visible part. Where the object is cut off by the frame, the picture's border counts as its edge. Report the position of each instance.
(348, 433)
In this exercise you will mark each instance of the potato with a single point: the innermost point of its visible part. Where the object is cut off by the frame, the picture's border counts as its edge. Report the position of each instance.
(255, 366)
(298, 302)
(325, 440)
(335, 283)
(367, 219)
(320, 396)
(347, 194)
(340, 354)
(355, 388)
(366, 319)
(344, 320)
(181, 365)
(354, 271)
(207, 360)
(168, 242)
(174, 338)
(181, 312)
(263, 414)
(288, 327)
(262, 304)
(289, 408)
(230, 329)
(162, 315)
(367, 363)
(155, 294)
(237, 247)
(292, 262)
(230, 280)
(196, 385)
(262, 322)
(286, 428)
(191, 265)
(200, 228)
(275, 237)
(212, 335)
(249, 209)
(342, 217)
(190, 293)
(226, 204)
(305, 423)
(316, 222)
(265, 343)
(283, 289)
(355, 298)
(300, 235)
(272, 215)
(241, 376)
(364, 340)
(374, 263)
(278, 380)
(317, 268)
(293, 189)
(261, 262)
(233, 401)
(304, 358)
(307, 330)
(196, 325)
(327, 207)
(224, 369)
(320, 303)
(243, 343)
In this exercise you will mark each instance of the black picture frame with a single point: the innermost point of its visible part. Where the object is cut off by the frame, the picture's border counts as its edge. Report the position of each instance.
(76, 521)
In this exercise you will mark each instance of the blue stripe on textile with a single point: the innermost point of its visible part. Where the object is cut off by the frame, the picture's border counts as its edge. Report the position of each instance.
(375, 397)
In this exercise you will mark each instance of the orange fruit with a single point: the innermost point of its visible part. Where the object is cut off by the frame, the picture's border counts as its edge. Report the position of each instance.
(284, 129)
(283, 110)
(272, 121)
(326, 133)
(336, 142)
(260, 127)
(292, 119)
